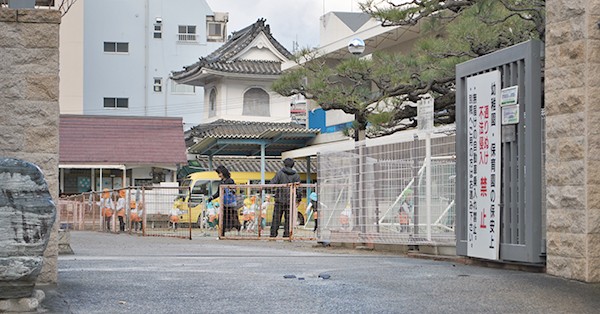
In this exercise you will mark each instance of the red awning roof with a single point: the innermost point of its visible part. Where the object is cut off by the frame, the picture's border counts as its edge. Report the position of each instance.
(121, 140)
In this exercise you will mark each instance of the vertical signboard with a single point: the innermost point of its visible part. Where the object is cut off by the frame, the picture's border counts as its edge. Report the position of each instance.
(483, 197)
(425, 113)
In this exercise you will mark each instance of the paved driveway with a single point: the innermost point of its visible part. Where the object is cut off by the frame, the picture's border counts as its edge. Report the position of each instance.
(130, 274)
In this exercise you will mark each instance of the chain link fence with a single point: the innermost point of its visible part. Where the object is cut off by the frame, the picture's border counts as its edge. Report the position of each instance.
(396, 193)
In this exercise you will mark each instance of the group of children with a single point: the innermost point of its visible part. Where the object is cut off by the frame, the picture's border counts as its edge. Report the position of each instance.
(250, 211)
(109, 209)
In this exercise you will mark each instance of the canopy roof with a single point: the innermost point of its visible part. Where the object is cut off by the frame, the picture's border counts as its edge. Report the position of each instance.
(244, 138)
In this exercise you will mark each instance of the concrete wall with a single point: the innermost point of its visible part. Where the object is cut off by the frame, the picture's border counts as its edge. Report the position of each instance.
(29, 100)
(572, 97)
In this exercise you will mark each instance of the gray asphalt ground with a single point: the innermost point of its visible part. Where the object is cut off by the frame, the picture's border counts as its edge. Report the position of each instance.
(112, 273)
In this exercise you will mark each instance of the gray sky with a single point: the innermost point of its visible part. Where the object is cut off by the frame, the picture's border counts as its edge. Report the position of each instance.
(290, 20)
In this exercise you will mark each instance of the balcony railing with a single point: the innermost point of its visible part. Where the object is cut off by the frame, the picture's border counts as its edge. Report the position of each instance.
(187, 37)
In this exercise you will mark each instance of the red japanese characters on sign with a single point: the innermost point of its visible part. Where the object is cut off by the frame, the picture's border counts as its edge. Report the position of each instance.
(483, 164)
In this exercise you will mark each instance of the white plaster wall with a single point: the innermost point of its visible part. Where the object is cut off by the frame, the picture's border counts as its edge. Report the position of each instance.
(230, 100)
(71, 61)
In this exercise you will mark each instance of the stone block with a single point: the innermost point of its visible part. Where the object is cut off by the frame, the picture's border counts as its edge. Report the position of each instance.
(566, 31)
(566, 221)
(42, 87)
(566, 244)
(565, 267)
(9, 36)
(562, 10)
(565, 77)
(565, 198)
(11, 138)
(49, 272)
(565, 125)
(565, 101)
(571, 148)
(593, 142)
(39, 16)
(552, 155)
(594, 270)
(42, 138)
(592, 25)
(30, 61)
(565, 173)
(593, 245)
(594, 49)
(7, 15)
(24, 113)
(568, 54)
(39, 35)
(593, 221)
(12, 87)
(593, 193)
(593, 77)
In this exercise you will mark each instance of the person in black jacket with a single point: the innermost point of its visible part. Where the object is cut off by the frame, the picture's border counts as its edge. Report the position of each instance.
(282, 197)
(230, 217)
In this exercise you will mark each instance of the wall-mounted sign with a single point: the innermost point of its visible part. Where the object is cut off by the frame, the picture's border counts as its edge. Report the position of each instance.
(510, 114)
(509, 96)
(484, 157)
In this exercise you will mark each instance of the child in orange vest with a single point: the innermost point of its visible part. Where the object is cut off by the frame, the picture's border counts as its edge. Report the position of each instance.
(134, 216)
(121, 210)
(106, 207)
(174, 217)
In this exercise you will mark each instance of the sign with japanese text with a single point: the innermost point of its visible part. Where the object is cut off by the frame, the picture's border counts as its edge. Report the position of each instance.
(425, 113)
(484, 156)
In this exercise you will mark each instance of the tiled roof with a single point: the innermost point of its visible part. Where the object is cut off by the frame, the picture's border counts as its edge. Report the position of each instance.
(225, 137)
(243, 164)
(121, 140)
(247, 67)
(222, 59)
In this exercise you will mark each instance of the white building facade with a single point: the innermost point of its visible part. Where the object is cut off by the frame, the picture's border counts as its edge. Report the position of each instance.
(116, 56)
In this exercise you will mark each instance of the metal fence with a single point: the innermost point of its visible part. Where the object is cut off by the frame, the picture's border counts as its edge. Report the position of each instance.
(148, 211)
(174, 212)
(396, 193)
(256, 205)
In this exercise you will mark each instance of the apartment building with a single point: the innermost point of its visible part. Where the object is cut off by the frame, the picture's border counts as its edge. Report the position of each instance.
(116, 56)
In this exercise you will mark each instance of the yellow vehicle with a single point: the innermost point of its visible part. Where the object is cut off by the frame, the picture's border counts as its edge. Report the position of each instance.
(199, 186)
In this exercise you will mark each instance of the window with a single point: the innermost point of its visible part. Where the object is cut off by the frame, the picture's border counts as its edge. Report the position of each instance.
(158, 84)
(187, 33)
(215, 31)
(110, 102)
(256, 103)
(157, 30)
(182, 88)
(212, 101)
(116, 47)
